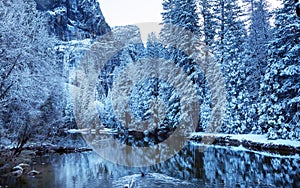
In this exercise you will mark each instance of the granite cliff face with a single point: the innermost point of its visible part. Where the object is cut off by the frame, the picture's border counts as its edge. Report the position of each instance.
(74, 19)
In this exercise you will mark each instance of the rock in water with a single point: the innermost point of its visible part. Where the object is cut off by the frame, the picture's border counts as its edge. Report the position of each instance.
(17, 173)
(16, 168)
(24, 165)
(33, 173)
(74, 19)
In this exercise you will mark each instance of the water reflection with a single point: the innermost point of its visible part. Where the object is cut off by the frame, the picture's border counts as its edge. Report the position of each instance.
(215, 167)
(232, 168)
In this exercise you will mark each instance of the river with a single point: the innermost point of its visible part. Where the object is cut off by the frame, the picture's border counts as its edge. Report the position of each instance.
(191, 167)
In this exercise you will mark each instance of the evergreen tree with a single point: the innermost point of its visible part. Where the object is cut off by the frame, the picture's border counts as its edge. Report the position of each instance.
(256, 59)
(181, 36)
(154, 48)
(279, 110)
(230, 52)
(180, 26)
(208, 14)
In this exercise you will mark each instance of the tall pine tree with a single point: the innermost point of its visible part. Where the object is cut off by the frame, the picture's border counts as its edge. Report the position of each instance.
(209, 15)
(280, 105)
(181, 36)
(256, 59)
(229, 49)
(180, 27)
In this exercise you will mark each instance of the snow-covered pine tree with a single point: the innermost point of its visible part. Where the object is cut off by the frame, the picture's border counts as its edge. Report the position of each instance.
(168, 16)
(154, 47)
(180, 27)
(181, 36)
(175, 22)
(256, 59)
(230, 53)
(280, 93)
(208, 16)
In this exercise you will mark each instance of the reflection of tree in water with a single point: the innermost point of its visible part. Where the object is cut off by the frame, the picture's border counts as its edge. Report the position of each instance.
(233, 167)
(216, 166)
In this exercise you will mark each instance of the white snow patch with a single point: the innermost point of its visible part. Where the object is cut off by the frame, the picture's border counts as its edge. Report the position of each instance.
(242, 148)
(263, 139)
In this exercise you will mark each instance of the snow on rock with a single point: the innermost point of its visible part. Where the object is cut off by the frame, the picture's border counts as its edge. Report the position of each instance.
(78, 19)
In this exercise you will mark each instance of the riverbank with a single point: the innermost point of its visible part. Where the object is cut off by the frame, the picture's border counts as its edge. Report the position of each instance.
(216, 166)
(249, 142)
(10, 163)
(252, 142)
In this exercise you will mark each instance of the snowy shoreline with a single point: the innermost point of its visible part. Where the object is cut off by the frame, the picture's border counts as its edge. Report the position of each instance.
(251, 142)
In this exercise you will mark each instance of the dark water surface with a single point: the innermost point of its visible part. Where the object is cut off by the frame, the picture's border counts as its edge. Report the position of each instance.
(215, 167)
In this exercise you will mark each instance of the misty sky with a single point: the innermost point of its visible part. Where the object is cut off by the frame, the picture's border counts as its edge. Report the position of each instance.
(126, 12)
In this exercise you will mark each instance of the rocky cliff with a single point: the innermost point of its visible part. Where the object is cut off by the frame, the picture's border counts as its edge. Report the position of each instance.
(74, 19)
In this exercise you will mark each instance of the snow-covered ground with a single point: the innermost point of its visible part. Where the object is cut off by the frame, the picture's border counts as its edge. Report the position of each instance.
(262, 139)
(249, 142)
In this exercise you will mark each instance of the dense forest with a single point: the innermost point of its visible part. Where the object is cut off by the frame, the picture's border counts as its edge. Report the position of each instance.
(256, 48)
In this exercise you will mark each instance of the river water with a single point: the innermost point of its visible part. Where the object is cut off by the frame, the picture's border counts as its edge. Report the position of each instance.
(191, 167)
